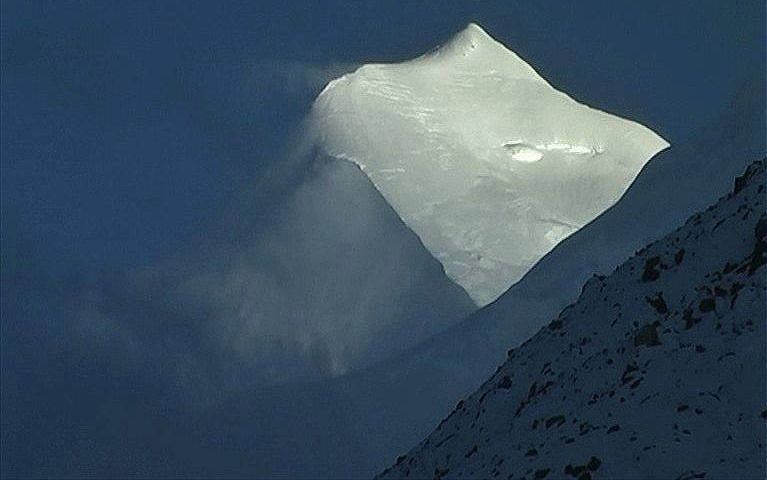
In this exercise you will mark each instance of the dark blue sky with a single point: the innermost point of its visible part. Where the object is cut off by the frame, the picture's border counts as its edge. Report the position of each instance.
(127, 125)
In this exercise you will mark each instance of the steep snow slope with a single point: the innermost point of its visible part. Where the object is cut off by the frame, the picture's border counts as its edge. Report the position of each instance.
(480, 156)
(657, 371)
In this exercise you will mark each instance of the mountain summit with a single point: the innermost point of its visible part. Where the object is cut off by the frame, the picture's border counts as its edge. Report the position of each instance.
(479, 155)
(472, 47)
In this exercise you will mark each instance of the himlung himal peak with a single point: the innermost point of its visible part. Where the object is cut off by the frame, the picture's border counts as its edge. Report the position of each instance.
(488, 163)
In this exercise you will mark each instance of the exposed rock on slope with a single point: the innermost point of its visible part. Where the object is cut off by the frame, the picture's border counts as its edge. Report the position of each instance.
(657, 371)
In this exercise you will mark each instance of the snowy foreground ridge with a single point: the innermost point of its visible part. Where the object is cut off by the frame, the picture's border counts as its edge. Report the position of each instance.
(657, 371)
(479, 155)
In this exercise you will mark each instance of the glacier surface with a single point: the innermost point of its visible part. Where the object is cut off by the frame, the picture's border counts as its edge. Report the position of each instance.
(488, 163)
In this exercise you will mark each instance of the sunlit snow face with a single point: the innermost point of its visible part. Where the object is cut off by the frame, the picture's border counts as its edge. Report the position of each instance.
(481, 157)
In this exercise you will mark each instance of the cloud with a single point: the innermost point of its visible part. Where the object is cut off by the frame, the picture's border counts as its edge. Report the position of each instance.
(327, 281)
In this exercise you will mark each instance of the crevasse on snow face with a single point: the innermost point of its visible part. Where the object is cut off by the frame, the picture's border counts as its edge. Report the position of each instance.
(479, 155)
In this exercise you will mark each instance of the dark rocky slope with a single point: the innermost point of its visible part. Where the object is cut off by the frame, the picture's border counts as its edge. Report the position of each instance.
(656, 371)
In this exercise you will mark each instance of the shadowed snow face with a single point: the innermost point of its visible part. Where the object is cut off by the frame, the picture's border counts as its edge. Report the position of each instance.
(480, 156)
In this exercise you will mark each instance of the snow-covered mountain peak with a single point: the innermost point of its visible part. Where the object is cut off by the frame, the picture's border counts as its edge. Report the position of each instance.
(472, 48)
(473, 36)
(481, 157)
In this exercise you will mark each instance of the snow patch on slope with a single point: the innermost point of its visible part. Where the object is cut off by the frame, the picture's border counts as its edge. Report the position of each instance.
(479, 155)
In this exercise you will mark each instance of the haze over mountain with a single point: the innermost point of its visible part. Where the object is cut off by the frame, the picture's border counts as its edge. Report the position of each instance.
(286, 298)
(480, 156)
